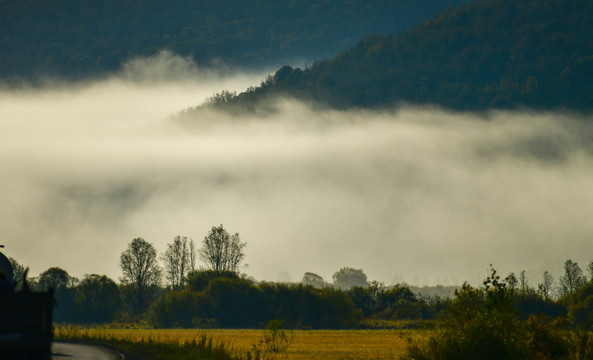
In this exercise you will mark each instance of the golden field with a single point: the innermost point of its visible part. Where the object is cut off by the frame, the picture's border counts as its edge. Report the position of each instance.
(307, 344)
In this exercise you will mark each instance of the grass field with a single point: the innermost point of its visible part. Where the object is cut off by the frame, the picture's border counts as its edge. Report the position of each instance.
(307, 344)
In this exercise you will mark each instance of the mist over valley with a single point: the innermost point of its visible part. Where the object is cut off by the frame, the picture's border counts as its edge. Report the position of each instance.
(375, 179)
(414, 194)
(442, 138)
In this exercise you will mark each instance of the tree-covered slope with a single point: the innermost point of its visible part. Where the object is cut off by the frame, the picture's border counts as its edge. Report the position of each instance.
(78, 38)
(491, 54)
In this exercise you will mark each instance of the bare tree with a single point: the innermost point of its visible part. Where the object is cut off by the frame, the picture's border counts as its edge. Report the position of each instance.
(141, 273)
(221, 251)
(511, 281)
(572, 279)
(523, 283)
(192, 256)
(546, 287)
(178, 260)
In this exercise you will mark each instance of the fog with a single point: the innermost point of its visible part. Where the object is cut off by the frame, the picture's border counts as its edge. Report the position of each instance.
(419, 195)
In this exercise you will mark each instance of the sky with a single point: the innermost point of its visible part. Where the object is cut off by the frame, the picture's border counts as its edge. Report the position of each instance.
(412, 194)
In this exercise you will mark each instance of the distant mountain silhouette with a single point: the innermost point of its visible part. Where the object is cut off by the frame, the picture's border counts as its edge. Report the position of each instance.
(77, 39)
(491, 54)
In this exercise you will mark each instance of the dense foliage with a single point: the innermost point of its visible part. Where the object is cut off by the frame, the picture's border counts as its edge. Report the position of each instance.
(508, 317)
(78, 38)
(488, 54)
(482, 323)
(489, 323)
(503, 319)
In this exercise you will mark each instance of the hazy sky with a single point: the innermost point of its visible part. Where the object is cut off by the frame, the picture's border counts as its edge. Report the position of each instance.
(416, 195)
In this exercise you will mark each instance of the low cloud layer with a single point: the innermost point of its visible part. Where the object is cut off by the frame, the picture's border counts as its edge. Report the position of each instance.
(420, 195)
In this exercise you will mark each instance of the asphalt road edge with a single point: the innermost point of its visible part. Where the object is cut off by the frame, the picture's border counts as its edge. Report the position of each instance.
(112, 349)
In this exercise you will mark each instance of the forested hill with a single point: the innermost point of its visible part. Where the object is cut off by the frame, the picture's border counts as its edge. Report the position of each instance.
(492, 54)
(79, 38)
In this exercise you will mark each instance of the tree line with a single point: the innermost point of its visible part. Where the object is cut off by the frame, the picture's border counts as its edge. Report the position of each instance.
(86, 38)
(502, 320)
(172, 290)
(487, 54)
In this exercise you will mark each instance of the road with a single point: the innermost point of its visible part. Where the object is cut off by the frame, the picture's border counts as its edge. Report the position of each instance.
(65, 351)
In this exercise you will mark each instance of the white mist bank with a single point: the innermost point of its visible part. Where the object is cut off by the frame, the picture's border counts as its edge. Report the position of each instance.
(420, 195)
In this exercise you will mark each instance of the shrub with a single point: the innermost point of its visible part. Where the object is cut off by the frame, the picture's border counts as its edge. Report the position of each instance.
(276, 339)
(483, 324)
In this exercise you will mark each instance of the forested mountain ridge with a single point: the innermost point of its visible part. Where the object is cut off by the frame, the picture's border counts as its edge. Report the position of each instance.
(81, 38)
(490, 54)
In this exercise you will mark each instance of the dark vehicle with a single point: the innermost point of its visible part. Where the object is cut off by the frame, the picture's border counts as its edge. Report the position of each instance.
(25, 318)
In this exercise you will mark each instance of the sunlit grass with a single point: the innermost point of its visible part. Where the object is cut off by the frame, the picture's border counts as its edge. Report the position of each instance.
(307, 344)
(147, 348)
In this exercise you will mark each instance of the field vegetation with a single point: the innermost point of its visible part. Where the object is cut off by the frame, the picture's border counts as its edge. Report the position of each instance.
(147, 347)
(307, 344)
(221, 314)
(498, 320)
